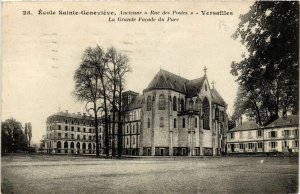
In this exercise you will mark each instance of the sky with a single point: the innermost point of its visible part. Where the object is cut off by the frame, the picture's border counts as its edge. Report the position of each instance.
(40, 53)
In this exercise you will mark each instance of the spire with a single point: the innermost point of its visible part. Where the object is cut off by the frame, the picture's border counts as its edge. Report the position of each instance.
(204, 69)
(213, 84)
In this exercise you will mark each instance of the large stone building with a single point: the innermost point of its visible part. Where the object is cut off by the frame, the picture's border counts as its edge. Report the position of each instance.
(70, 133)
(174, 116)
(281, 136)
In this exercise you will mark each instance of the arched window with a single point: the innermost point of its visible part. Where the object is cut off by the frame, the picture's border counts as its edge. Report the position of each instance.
(66, 145)
(149, 103)
(182, 105)
(83, 146)
(197, 105)
(58, 144)
(174, 103)
(162, 102)
(161, 122)
(205, 110)
(78, 145)
(148, 124)
(217, 113)
(191, 104)
(90, 146)
(137, 127)
(175, 123)
(183, 122)
(72, 144)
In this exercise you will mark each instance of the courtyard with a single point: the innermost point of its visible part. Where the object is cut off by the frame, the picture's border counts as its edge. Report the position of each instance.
(78, 174)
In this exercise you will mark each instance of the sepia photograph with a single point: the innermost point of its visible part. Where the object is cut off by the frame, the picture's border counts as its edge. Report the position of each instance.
(150, 97)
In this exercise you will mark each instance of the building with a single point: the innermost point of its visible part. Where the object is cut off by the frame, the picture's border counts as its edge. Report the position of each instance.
(279, 136)
(174, 117)
(70, 133)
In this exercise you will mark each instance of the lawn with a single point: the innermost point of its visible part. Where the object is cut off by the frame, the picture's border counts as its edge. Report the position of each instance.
(71, 174)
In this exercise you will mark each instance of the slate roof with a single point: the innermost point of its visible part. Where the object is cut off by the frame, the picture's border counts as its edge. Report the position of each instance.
(73, 115)
(135, 103)
(217, 97)
(246, 126)
(291, 120)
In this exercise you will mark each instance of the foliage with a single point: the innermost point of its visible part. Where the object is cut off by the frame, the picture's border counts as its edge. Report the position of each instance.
(13, 138)
(268, 73)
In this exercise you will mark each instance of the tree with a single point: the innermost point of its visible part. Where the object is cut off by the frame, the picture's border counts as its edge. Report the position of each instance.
(89, 84)
(28, 132)
(268, 73)
(116, 73)
(13, 138)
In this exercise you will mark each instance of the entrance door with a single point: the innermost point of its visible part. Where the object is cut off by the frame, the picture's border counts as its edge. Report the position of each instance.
(183, 151)
(162, 152)
(148, 152)
(232, 147)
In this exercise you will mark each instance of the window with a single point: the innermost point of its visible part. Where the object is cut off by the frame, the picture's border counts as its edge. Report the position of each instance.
(83, 129)
(66, 144)
(72, 128)
(196, 122)
(66, 135)
(296, 132)
(161, 122)
(90, 130)
(149, 103)
(285, 144)
(273, 134)
(148, 124)
(191, 104)
(241, 146)
(205, 87)
(273, 144)
(197, 105)
(174, 103)
(59, 127)
(66, 121)
(259, 133)
(127, 141)
(127, 130)
(78, 129)
(217, 113)
(66, 128)
(84, 137)
(72, 122)
(296, 143)
(205, 110)
(183, 122)
(162, 102)
(78, 136)
(72, 136)
(175, 124)
(59, 134)
(286, 133)
(90, 137)
(133, 140)
(259, 145)
(250, 146)
(133, 129)
(231, 135)
(182, 105)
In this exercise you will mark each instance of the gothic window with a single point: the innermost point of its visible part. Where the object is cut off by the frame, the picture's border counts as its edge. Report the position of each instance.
(182, 105)
(217, 113)
(196, 122)
(175, 123)
(191, 103)
(205, 110)
(148, 123)
(197, 105)
(179, 105)
(183, 122)
(149, 103)
(83, 146)
(162, 102)
(205, 87)
(174, 103)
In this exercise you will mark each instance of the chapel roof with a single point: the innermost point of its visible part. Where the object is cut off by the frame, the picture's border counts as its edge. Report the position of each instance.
(217, 97)
(246, 126)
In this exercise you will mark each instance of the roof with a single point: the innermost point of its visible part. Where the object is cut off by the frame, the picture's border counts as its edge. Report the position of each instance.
(73, 115)
(135, 103)
(216, 97)
(289, 121)
(167, 80)
(246, 126)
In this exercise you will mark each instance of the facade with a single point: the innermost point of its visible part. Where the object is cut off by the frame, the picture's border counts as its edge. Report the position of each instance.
(70, 134)
(174, 117)
(280, 136)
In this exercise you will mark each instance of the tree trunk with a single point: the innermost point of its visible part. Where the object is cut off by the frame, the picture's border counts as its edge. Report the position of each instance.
(96, 130)
(106, 137)
(120, 132)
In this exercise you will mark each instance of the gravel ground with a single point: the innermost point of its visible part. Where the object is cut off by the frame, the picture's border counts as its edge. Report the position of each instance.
(70, 174)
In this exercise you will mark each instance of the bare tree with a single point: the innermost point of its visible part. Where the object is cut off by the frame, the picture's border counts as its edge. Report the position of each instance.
(89, 84)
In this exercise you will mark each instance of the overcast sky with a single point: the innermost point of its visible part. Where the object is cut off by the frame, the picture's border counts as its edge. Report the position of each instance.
(41, 53)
